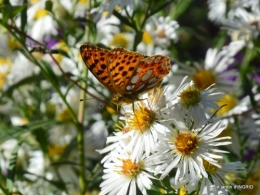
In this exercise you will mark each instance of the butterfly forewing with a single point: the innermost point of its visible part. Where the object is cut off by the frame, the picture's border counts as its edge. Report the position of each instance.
(122, 65)
(96, 60)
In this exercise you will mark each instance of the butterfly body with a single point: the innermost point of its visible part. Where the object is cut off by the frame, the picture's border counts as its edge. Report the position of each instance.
(127, 74)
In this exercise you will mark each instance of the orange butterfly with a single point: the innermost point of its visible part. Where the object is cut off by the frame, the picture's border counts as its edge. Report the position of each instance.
(127, 74)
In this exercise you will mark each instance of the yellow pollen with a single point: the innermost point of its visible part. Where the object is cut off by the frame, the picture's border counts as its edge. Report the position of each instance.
(210, 168)
(147, 38)
(40, 13)
(186, 143)
(119, 40)
(190, 96)
(230, 102)
(131, 169)
(203, 79)
(142, 119)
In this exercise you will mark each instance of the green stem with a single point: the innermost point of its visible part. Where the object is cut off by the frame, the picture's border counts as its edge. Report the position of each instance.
(80, 135)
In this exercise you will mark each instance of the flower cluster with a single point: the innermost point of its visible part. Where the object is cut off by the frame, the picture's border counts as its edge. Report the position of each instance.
(161, 135)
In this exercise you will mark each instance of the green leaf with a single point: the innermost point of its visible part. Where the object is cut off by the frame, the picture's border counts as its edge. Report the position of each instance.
(24, 18)
(11, 168)
(124, 20)
(48, 73)
(48, 5)
(9, 11)
(63, 53)
(7, 132)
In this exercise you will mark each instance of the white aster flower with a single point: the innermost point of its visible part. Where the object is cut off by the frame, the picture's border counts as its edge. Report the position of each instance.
(217, 10)
(144, 122)
(123, 174)
(110, 5)
(190, 101)
(185, 148)
(163, 30)
(40, 21)
(142, 130)
(244, 25)
(215, 69)
(222, 178)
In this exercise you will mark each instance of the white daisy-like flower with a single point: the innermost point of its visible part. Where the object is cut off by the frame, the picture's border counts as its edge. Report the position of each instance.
(215, 69)
(163, 30)
(142, 130)
(36, 166)
(40, 22)
(110, 5)
(220, 178)
(18, 72)
(186, 146)
(190, 101)
(119, 140)
(217, 10)
(123, 175)
(144, 122)
(244, 25)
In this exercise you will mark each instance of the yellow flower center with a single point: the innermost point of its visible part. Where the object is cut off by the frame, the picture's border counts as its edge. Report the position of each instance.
(210, 168)
(161, 34)
(182, 192)
(5, 66)
(190, 96)
(3, 78)
(55, 151)
(34, 1)
(82, 1)
(13, 44)
(186, 143)
(131, 169)
(40, 13)
(119, 40)
(142, 119)
(63, 46)
(64, 115)
(253, 180)
(204, 79)
(147, 38)
(230, 102)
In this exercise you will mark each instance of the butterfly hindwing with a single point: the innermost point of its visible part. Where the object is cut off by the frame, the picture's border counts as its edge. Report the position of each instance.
(149, 73)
